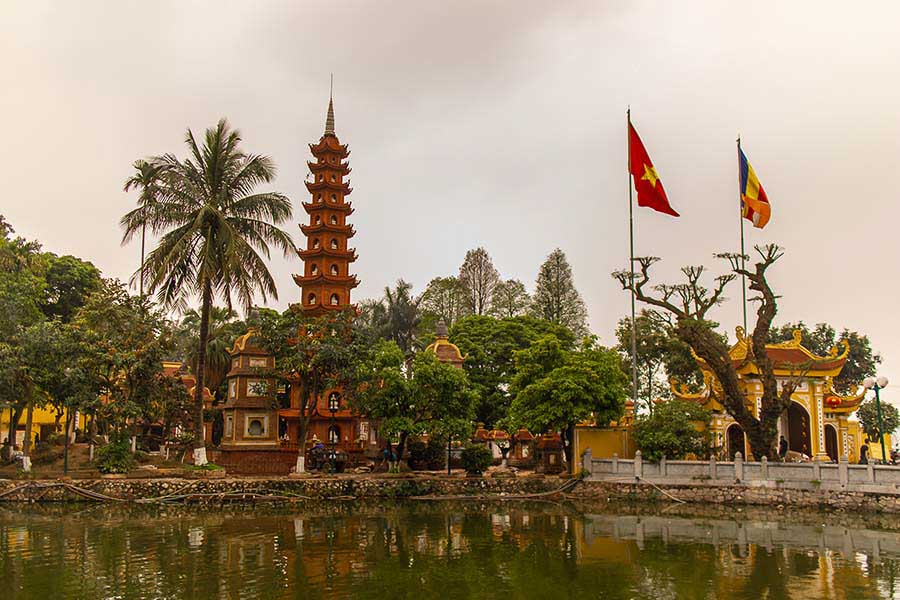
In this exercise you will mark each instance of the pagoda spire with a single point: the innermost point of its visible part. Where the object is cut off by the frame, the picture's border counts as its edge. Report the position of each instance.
(329, 120)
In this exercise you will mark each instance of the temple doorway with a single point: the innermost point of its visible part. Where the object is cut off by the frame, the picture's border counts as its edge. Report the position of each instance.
(735, 437)
(831, 445)
(799, 433)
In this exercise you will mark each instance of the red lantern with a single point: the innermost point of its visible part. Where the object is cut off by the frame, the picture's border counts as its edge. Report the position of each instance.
(833, 401)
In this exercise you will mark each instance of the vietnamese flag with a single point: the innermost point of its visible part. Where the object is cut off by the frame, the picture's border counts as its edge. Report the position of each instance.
(649, 188)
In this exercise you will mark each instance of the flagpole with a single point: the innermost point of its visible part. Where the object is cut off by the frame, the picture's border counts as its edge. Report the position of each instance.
(634, 387)
(743, 253)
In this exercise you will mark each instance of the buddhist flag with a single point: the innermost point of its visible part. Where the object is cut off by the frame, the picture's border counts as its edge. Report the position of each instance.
(754, 202)
(649, 188)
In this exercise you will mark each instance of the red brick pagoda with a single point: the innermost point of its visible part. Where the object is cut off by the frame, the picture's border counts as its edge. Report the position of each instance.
(326, 281)
(261, 421)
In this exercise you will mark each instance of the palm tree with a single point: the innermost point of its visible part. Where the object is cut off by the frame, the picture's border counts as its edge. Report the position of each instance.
(214, 230)
(401, 318)
(146, 178)
(223, 329)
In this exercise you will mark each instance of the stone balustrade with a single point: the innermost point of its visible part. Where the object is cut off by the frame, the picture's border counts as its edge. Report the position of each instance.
(807, 475)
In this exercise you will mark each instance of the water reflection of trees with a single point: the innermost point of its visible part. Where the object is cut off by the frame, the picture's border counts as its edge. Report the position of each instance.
(447, 551)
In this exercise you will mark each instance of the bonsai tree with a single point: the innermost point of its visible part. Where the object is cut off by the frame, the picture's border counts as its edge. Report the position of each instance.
(689, 304)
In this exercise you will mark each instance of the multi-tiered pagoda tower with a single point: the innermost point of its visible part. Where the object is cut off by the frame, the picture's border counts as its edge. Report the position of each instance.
(326, 281)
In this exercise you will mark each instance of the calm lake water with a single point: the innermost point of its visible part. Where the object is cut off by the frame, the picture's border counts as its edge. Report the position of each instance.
(441, 550)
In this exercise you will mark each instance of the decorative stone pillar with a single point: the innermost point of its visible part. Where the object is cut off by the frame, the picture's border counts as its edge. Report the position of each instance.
(712, 467)
(638, 465)
(662, 466)
(738, 467)
(615, 464)
(587, 462)
(844, 471)
(764, 467)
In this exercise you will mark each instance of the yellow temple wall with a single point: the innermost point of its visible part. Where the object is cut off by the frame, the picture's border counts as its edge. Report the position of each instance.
(41, 416)
(604, 442)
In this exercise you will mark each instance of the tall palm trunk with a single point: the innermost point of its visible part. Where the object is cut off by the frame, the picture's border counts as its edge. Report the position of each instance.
(143, 242)
(199, 437)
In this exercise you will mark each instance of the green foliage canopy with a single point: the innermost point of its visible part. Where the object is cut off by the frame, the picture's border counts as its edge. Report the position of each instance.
(672, 431)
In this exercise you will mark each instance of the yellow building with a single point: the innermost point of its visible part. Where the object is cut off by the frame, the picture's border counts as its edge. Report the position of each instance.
(43, 423)
(817, 423)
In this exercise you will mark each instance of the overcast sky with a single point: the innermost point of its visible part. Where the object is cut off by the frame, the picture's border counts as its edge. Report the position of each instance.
(487, 124)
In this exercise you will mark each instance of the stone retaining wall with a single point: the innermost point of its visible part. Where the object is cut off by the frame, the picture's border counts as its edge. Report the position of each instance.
(736, 494)
(312, 487)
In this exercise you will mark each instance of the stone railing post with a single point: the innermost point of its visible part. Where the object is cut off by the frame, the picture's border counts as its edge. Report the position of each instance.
(712, 467)
(817, 470)
(844, 471)
(615, 464)
(764, 467)
(870, 471)
(638, 465)
(662, 467)
(738, 467)
(587, 462)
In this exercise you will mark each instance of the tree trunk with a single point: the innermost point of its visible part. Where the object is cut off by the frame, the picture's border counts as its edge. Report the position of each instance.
(14, 415)
(301, 444)
(143, 240)
(199, 441)
(401, 446)
(29, 421)
(569, 446)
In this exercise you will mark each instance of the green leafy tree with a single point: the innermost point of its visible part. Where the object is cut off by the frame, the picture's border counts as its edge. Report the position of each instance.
(867, 413)
(554, 389)
(443, 298)
(224, 329)
(396, 316)
(661, 356)
(69, 281)
(489, 346)
(215, 234)
(478, 278)
(128, 341)
(862, 361)
(675, 429)
(411, 399)
(555, 297)
(509, 299)
(312, 355)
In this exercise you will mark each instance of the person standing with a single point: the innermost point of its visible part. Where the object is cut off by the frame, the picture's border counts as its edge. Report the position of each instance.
(864, 454)
(782, 448)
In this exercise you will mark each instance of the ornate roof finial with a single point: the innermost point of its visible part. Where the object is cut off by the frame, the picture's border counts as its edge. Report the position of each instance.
(329, 120)
(441, 330)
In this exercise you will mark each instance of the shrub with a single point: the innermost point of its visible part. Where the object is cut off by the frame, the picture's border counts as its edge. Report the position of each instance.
(115, 457)
(476, 459)
(675, 429)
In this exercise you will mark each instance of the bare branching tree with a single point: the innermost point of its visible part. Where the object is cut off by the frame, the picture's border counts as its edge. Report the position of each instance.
(689, 302)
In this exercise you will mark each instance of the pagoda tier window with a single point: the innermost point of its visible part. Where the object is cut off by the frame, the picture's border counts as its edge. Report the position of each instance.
(313, 269)
(318, 197)
(321, 177)
(334, 244)
(318, 220)
(334, 197)
(334, 269)
(335, 300)
(311, 299)
(315, 243)
(334, 220)
(333, 179)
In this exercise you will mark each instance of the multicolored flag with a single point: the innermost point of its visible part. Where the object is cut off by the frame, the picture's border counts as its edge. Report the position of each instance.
(649, 188)
(755, 205)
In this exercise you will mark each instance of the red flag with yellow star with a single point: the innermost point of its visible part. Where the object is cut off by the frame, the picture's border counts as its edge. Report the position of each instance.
(649, 188)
